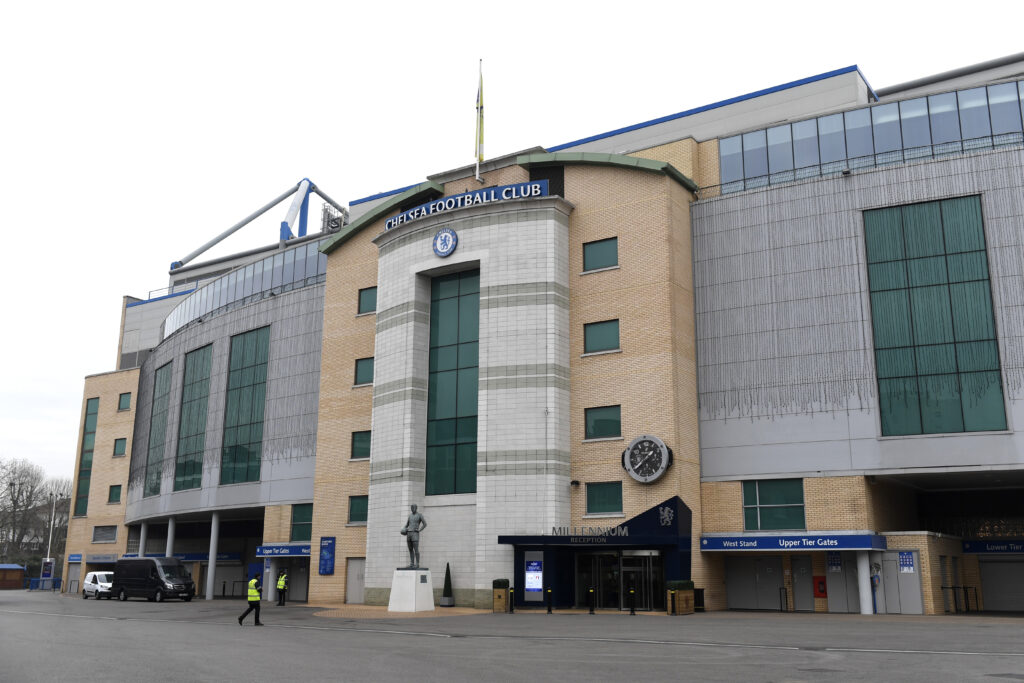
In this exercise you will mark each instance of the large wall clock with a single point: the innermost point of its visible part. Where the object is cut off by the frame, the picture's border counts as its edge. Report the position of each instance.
(646, 458)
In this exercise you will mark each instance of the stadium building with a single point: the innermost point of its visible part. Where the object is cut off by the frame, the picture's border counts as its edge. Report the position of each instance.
(773, 345)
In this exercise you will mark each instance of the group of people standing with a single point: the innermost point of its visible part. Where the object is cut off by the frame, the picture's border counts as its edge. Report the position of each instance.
(255, 594)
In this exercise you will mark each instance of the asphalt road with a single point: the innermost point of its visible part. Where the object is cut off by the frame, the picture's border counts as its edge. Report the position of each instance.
(49, 637)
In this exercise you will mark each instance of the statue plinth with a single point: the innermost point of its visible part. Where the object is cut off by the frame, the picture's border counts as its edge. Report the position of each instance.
(412, 590)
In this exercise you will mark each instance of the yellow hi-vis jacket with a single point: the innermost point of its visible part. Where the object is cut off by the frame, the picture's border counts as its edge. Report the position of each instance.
(282, 582)
(254, 592)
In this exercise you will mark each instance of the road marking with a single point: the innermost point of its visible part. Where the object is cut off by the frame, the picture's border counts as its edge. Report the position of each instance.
(924, 652)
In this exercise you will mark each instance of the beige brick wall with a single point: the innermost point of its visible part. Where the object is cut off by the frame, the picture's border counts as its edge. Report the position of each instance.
(277, 520)
(722, 503)
(932, 548)
(682, 154)
(107, 470)
(836, 503)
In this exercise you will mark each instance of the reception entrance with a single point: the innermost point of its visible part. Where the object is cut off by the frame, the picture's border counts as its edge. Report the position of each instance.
(613, 575)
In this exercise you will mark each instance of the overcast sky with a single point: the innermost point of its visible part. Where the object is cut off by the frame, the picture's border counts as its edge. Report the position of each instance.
(134, 132)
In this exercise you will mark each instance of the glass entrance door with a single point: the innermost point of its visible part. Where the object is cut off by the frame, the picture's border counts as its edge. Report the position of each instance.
(612, 575)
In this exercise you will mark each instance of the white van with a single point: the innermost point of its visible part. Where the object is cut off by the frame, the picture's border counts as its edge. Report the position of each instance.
(97, 584)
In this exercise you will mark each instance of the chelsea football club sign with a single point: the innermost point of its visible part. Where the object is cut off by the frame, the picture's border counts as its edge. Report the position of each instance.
(487, 195)
(445, 242)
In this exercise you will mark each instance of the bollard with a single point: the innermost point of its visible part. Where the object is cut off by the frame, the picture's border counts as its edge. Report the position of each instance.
(591, 600)
(511, 600)
(549, 601)
(632, 601)
(673, 594)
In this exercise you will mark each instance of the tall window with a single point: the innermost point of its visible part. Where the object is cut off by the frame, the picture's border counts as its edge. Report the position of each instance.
(773, 504)
(364, 371)
(931, 308)
(157, 430)
(114, 495)
(452, 385)
(302, 522)
(92, 409)
(120, 447)
(243, 414)
(124, 401)
(195, 393)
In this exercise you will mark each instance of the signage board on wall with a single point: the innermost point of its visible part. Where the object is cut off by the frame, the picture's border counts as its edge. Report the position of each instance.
(326, 555)
(1001, 545)
(834, 561)
(535, 576)
(487, 195)
(283, 550)
(795, 542)
(906, 562)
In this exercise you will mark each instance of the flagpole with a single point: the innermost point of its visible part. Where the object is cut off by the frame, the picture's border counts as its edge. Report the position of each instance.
(479, 151)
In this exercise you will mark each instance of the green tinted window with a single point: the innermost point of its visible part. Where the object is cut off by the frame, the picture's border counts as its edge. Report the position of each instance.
(931, 311)
(242, 447)
(360, 445)
(92, 408)
(368, 300)
(119, 446)
(302, 522)
(603, 422)
(195, 393)
(364, 371)
(601, 254)
(603, 336)
(157, 430)
(452, 385)
(604, 497)
(114, 496)
(357, 508)
(773, 504)
(124, 401)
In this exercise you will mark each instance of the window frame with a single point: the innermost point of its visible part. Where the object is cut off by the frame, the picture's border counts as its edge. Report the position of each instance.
(104, 526)
(121, 400)
(360, 368)
(593, 487)
(360, 310)
(594, 328)
(352, 445)
(366, 510)
(757, 506)
(597, 268)
(110, 495)
(587, 436)
(301, 525)
(123, 442)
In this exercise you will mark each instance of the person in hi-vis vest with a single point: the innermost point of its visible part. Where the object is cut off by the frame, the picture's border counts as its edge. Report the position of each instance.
(282, 586)
(254, 596)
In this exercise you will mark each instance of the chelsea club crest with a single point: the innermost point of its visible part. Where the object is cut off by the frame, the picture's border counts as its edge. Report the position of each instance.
(445, 242)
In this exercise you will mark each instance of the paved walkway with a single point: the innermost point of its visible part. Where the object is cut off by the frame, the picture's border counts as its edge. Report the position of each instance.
(346, 611)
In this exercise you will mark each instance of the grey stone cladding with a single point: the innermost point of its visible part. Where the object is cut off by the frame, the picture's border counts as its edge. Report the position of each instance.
(521, 249)
(786, 374)
(290, 418)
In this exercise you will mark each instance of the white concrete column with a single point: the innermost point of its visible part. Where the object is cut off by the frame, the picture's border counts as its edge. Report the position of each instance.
(212, 560)
(270, 581)
(143, 532)
(169, 549)
(864, 582)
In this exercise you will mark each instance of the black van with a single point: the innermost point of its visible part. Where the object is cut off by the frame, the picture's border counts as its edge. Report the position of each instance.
(153, 578)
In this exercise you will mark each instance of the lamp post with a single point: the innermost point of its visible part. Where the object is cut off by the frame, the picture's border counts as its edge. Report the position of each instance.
(42, 565)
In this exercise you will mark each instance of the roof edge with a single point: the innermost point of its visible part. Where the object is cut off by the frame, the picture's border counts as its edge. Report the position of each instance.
(604, 159)
(412, 193)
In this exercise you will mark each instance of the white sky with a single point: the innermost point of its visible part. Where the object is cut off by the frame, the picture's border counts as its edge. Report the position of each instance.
(131, 133)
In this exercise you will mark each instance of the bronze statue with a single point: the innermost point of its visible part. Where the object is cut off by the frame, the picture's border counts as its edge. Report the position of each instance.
(413, 526)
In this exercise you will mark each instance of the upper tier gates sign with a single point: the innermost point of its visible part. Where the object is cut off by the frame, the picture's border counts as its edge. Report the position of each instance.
(487, 195)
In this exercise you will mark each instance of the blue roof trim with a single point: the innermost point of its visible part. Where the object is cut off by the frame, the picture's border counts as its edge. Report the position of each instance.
(159, 298)
(380, 195)
(871, 91)
(707, 107)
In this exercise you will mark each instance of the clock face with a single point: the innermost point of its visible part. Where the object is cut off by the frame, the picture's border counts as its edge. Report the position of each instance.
(646, 458)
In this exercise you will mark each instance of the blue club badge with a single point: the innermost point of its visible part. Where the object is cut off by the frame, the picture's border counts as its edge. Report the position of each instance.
(445, 242)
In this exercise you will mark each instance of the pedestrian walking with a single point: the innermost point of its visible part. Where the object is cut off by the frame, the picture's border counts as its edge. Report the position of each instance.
(282, 587)
(255, 595)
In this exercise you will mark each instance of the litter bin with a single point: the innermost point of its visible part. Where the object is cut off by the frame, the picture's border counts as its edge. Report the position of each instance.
(698, 599)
